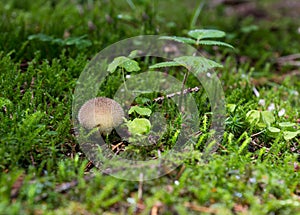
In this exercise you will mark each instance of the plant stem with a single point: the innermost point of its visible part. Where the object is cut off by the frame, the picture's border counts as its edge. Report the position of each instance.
(182, 88)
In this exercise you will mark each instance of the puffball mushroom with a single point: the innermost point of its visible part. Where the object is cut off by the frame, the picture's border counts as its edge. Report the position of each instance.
(102, 113)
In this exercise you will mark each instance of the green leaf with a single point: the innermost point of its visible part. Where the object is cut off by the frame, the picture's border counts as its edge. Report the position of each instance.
(288, 135)
(273, 129)
(286, 124)
(249, 29)
(253, 116)
(133, 54)
(41, 37)
(124, 62)
(179, 39)
(116, 62)
(140, 110)
(164, 64)
(261, 119)
(189, 62)
(200, 34)
(131, 66)
(231, 107)
(139, 126)
(142, 100)
(201, 64)
(267, 117)
(58, 41)
(83, 44)
(71, 40)
(79, 42)
(214, 43)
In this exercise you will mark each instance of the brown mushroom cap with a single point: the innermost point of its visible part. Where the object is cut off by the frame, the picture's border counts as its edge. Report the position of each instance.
(101, 112)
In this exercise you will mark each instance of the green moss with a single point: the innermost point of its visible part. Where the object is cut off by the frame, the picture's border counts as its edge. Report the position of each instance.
(42, 168)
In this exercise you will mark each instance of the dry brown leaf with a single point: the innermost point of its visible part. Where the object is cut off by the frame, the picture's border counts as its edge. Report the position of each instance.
(16, 187)
(199, 208)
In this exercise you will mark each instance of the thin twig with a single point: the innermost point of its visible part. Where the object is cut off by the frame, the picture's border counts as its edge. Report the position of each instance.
(116, 146)
(222, 147)
(180, 172)
(140, 191)
(254, 135)
(186, 91)
(182, 88)
(201, 209)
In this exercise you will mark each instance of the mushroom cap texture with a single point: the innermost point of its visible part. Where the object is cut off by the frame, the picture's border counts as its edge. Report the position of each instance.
(101, 112)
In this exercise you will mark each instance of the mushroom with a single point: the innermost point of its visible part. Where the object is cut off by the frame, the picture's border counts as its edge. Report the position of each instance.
(102, 113)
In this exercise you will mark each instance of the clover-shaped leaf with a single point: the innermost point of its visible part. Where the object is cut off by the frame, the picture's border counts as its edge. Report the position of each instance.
(139, 126)
(253, 116)
(274, 129)
(231, 107)
(286, 124)
(124, 62)
(140, 110)
(261, 119)
(267, 117)
(288, 135)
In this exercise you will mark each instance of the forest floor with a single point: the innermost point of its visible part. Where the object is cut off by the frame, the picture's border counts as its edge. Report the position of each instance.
(45, 46)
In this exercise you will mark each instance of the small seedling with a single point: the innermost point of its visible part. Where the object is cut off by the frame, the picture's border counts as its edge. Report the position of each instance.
(198, 63)
(139, 126)
(199, 37)
(265, 119)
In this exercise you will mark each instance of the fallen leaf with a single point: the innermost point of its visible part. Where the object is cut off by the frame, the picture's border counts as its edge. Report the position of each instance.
(199, 208)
